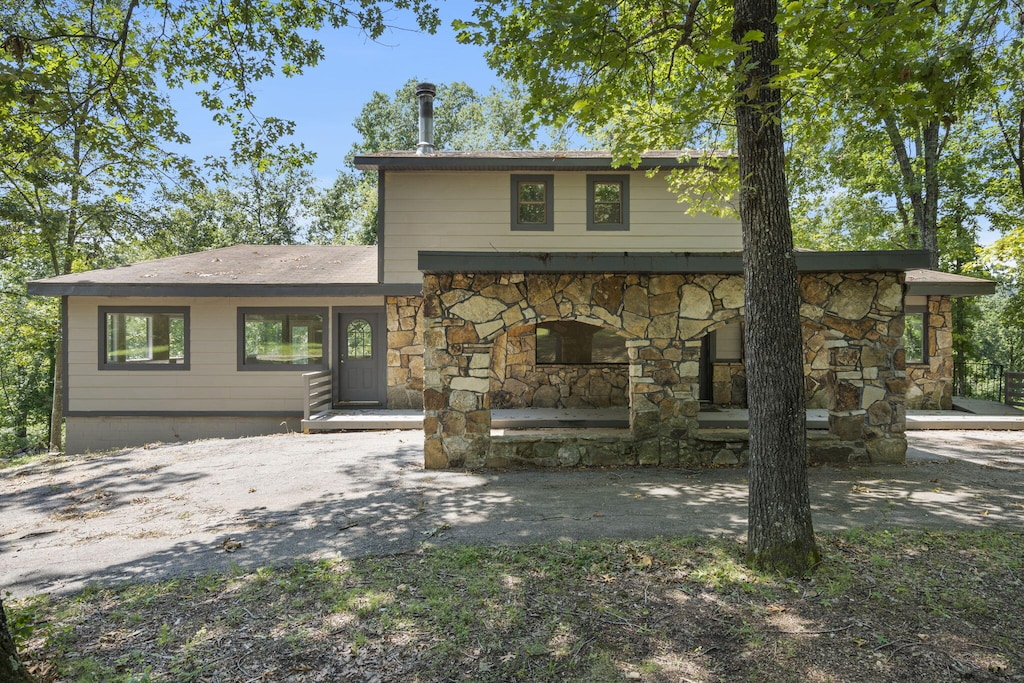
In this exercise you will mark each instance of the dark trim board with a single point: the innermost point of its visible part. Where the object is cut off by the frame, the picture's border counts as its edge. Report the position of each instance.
(953, 289)
(179, 413)
(659, 262)
(234, 290)
(554, 162)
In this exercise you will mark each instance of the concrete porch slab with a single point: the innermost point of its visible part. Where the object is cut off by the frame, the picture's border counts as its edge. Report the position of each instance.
(982, 415)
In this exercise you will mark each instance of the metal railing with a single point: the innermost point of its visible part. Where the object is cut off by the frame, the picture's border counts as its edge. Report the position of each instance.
(975, 379)
(319, 393)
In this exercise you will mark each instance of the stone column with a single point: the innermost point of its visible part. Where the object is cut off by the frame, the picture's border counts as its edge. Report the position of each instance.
(863, 317)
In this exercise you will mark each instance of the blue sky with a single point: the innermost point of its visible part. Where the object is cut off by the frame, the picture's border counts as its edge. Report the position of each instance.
(323, 102)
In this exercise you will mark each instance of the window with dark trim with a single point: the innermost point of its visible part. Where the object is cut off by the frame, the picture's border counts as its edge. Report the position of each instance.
(568, 342)
(607, 202)
(915, 334)
(281, 338)
(143, 338)
(533, 202)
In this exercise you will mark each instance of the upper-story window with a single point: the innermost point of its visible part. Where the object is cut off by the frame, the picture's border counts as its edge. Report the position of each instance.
(533, 202)
(144, 338)
(607, 202)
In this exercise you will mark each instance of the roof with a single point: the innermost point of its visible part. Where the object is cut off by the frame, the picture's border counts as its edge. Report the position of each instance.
(240, 270)
(523, 160)
(923, 282)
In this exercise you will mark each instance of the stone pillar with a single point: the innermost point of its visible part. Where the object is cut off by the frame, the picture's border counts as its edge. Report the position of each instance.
(405, 351)
(862, 318)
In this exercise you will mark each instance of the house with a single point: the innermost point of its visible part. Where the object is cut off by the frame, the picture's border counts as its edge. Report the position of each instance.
(500, 280)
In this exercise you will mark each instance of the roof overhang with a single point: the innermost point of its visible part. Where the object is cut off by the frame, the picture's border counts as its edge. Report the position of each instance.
(935, 283)
(661, 262)
(47, 288)
(553, 161)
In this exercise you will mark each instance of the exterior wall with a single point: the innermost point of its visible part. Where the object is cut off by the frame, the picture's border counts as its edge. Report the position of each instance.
(405, 352)
(470, 211)
(853, 322)
(517, 381)
(931, 383)
(93, 434)
(212, 384)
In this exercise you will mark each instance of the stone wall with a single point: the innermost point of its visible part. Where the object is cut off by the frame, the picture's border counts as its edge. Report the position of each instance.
(853, 334)
(853, 325)
(405, 352)
(931, 383)
(729, 384)
(518, 381)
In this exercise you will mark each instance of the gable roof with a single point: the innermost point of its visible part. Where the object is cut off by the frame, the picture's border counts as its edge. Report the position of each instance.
(240, 270)
(527, 160)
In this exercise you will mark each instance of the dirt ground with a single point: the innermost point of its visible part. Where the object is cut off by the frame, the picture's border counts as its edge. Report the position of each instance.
(183, 509)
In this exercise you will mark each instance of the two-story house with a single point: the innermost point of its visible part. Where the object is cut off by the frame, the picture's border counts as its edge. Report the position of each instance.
(500, 280)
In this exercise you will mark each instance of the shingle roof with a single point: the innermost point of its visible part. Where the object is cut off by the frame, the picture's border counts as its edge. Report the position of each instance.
(302, 268)
(525, 160)
(922, 282)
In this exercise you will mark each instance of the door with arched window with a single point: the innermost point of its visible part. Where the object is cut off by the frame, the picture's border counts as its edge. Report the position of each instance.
(361, 355)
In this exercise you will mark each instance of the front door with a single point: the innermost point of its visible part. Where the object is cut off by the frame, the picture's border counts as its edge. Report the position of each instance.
(361, 354)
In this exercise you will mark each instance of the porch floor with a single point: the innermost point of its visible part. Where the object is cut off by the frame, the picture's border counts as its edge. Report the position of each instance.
(967, 414)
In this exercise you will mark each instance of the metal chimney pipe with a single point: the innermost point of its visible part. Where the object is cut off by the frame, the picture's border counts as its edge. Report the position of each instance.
(425, 93)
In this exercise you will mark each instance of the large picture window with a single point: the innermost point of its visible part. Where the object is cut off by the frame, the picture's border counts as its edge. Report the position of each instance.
(281, 339)
(574, 343)
(533, 202)
(148, 338)
(607, 202)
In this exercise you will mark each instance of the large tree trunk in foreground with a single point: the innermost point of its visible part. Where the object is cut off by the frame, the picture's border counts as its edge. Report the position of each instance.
(780, 535)
(11, 668)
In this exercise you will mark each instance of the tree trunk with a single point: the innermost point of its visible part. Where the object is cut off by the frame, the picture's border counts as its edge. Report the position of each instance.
(780, 535)
(11, 668)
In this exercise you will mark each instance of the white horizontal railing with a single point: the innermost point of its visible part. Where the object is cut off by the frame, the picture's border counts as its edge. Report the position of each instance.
(319, 393)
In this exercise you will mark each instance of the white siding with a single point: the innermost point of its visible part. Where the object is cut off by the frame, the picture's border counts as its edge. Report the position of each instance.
(213, 382)
(470, 211)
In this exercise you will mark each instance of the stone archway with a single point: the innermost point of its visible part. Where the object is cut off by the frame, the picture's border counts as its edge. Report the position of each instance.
(664, 317)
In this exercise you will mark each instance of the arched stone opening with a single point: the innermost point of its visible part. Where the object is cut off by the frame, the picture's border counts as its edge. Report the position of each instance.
(559, 363)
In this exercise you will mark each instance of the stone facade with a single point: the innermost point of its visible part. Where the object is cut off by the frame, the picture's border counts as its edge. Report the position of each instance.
(852, 320)
(930, 384)
(405, 352)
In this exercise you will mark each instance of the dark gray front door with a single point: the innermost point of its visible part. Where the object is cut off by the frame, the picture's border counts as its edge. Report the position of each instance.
(361, 354)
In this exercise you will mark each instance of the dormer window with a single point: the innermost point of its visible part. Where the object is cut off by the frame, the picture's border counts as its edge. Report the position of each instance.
(607, 202)
(533, 202)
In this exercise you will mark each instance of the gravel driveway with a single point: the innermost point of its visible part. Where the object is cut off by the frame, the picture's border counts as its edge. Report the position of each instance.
(163, 510)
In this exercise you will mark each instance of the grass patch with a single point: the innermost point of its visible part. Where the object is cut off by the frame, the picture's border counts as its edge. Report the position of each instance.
(909, 606)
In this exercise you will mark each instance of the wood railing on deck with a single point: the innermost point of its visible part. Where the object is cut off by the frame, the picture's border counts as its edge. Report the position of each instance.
(319, 393)
(1015, 389)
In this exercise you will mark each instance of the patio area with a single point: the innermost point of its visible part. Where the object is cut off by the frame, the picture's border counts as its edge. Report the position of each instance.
(967, 414)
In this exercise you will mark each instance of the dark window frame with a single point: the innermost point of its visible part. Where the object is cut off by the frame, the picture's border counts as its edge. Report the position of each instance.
(323, 312)
(594, 180)
(548, 180)
(136, 366)
(922, 310)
